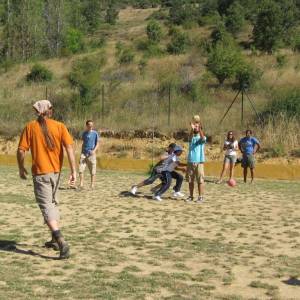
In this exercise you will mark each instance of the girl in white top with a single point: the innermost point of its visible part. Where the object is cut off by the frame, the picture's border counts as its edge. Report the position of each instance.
(230, 147)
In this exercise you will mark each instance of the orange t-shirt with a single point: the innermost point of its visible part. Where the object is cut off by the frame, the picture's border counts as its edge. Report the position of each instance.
(45, 160)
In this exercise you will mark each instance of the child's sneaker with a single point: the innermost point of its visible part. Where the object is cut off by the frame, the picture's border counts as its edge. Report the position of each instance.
(157, 198)
(133, 190)
(178, 195)
(200, 199)
(189, 199)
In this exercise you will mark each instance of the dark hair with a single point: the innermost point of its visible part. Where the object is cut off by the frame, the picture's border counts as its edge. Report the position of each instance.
(172, 145)
(248, 130)
(232, 139)
(48, 138)
(88, 121)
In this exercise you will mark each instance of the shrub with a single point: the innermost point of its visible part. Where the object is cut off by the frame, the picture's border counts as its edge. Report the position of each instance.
(194, 90)
(142, 66)
(73, 41)
(146, 3)
(209, 7)
(246, 76)
(296, 152)
(97, 42)
(39, 73)
(223, 62)
(286, 103)
(235, 18)
(154, 50)
(221, 35)
(281, 60)
(6, 64)
(126, 56)
(295, 41)
(85, 76)
(150, 49)
(112, 14)
(154, 31)
(211, 20)
(268, 29)
(158, 15)
(178, 44)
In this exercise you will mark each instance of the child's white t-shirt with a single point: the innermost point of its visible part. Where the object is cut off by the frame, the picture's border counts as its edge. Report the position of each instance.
(232, 150)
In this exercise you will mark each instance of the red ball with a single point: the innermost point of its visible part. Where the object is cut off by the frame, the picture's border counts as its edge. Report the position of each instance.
(231, 182)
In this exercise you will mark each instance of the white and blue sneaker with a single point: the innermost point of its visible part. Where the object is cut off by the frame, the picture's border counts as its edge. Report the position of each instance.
(157, 198)
(133, 190)
(178, 195)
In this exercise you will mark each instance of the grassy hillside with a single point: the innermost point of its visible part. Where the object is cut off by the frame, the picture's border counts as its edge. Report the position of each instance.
(136, 94)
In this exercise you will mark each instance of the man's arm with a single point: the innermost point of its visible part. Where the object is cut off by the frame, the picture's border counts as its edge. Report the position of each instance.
(240, 147)
(256, 148)
(96, 146)
(21, 158)
(71, 159)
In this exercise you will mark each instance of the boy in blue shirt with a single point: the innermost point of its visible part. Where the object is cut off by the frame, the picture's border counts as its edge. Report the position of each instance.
(90, 144)
(196, 159)
(248, 145)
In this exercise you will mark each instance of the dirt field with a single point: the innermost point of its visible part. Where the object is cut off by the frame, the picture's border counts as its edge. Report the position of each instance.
(241, 243)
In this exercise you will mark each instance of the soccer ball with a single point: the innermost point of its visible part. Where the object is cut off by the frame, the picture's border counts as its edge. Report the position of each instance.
(231, 182)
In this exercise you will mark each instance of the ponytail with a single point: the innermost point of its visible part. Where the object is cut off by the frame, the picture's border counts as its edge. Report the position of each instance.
(49, 140)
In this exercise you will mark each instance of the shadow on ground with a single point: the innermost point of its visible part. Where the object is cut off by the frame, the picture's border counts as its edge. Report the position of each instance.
(292, 281)
(13, 246)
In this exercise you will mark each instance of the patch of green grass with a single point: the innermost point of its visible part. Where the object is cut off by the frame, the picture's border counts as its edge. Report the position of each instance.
(228, 278)
(132, 269)
(262, 285)
(206, 274)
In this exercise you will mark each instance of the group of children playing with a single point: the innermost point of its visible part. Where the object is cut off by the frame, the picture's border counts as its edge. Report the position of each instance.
(169, 162)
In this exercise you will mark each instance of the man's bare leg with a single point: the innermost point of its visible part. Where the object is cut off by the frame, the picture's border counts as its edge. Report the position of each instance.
(81, 180)
(191, 188)
(201, 189)
(252, 174)
(245, 171)
(93, 181)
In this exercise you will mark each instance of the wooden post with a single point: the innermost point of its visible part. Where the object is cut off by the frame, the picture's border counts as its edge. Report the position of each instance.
(242, 112)
(169, 108)
(102, 104)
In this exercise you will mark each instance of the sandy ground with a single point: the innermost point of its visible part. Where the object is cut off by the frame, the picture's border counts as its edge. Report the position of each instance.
(241, 243)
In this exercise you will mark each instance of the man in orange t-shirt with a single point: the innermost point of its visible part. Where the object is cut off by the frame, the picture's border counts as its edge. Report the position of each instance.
(46, 138)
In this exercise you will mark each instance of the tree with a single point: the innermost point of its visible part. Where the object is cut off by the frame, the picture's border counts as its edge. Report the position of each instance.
(85, 76)
(73, 40)
(223, 61)
(112, 14)
(182, 11)
(179, 43)
(268, 29)
(235, 18)
(246, 75)
(91, 10)
(223, 6)
(154, 31)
